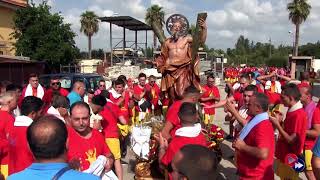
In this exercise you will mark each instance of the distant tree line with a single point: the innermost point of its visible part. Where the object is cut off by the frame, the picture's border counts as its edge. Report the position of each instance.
(253, 53)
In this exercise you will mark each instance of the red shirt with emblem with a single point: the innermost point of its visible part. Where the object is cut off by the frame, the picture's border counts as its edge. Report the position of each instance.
(261, 136)
(209, 92)
(172, 116)
(110, 114)
(86, 150)
(315, 120)
(295, 122)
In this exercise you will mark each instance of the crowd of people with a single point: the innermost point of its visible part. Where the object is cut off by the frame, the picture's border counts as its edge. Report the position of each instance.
(53, 133)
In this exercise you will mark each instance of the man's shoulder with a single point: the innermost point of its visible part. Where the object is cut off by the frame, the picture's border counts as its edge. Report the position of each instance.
(97, 135)
(73, 94)
(71, 174)
(300, 113)
(63, 92)
(181, 140)
(264, 125)
(316, 111)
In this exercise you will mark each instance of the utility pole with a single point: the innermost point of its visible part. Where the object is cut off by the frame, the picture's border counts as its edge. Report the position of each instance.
(270, 47)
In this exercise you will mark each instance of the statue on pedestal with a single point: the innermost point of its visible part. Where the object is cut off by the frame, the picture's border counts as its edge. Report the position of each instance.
(178, 61)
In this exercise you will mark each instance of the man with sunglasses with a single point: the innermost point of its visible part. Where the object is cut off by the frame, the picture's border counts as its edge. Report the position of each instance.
(55, 89)
(102, 86)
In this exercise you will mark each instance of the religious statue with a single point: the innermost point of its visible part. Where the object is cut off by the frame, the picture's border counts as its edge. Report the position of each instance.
(179, 69)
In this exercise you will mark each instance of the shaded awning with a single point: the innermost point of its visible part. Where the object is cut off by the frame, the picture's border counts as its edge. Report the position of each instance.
(127, 22)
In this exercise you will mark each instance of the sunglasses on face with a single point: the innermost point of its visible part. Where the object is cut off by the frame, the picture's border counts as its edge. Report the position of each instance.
(55, 84)
(102, 85)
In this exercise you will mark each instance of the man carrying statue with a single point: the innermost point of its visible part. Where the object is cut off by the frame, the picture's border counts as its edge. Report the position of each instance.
(175, 62)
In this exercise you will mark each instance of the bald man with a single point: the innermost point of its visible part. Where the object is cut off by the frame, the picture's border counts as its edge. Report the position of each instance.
(77, 92)
(195, 162)
(47, 139)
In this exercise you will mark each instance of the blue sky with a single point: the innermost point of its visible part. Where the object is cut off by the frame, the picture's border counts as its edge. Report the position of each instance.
(257, 20)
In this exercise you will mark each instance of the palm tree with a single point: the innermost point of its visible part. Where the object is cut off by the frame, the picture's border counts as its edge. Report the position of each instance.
(89, 26)
(299, 11)
(155, 19)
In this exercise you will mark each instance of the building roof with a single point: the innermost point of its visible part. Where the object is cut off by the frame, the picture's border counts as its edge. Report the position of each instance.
(14, 3)
(301, 57)
(127, 22)
(14, 59)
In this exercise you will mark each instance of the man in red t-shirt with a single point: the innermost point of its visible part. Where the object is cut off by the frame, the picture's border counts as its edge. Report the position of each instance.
(237, 97)
(255, 151)
(209, 97)
(84, 143)
(292, 130)
(191, 94)
(313, 126)
(8, 102)
(55, 89)
(154, 91)
(121, 97)
(111, 116)
(20, 156)
(188, 133)
(241, 114)
(142, 97)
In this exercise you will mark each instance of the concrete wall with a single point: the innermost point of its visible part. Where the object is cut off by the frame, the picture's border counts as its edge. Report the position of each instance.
(89, 66)
(316, 65)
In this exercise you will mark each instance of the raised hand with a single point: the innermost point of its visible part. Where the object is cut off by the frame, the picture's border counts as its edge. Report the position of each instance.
(202, 24)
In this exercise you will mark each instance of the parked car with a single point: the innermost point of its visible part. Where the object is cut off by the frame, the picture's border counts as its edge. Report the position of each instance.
(67, 79)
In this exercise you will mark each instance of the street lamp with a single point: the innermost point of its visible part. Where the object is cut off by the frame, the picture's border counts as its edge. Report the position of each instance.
(222, 64)
(291, 34)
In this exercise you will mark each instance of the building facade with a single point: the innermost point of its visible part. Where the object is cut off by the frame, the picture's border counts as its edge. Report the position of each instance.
(7, 12)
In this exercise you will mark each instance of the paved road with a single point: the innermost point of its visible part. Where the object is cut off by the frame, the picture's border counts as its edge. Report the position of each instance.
(226, 168)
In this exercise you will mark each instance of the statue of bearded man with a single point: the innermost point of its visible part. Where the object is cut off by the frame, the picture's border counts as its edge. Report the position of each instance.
(174, 62)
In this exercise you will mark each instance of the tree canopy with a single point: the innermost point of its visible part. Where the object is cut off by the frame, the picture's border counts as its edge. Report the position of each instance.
(155, 18)
(89, 26)
(43, 36)
(299, 11)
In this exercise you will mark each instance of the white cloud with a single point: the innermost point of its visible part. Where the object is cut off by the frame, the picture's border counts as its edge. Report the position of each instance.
(258, 20)
(168, 6)
(225, 33)
(218, 17)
